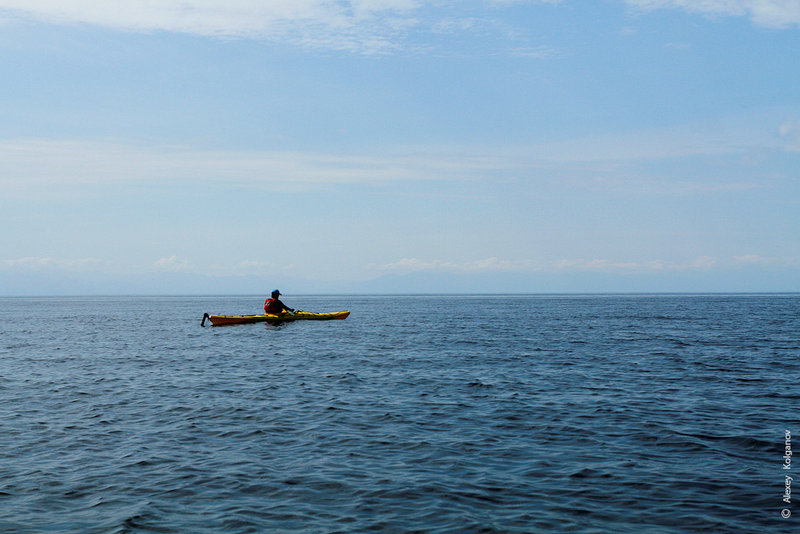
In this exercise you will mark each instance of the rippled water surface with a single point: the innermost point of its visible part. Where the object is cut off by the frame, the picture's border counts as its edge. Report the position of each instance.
(428, 414)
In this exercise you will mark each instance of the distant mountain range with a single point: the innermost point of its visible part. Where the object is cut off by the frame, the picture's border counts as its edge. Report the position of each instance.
(41, 283)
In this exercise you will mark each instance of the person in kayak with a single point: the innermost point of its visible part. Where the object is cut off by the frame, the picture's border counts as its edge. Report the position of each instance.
(274, 305)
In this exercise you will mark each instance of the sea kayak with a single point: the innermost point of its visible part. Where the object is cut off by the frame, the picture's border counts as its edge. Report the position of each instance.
(220, 320)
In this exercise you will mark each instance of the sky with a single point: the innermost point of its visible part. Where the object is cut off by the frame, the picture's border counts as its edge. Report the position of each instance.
(399, 146)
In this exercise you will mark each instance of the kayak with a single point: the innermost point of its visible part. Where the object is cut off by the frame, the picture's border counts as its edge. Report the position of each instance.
(220, 320)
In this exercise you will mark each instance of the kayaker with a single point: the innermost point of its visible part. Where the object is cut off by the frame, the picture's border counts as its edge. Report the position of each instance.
(274, 305)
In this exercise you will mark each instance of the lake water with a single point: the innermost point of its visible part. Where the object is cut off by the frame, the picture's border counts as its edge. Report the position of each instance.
(641, 413)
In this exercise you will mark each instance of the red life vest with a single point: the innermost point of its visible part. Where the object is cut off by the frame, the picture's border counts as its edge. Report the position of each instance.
(272, 306)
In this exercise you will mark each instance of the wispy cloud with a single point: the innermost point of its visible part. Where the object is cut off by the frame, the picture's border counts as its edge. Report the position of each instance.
(409, 265)
(172, 264)
(764, 261)
(611, 266)
(605, 161)
(790, 133)
(768, 129)
(489, 265)
(769, 13)
(32, 263)
(54, 266)
(26, 163)
(361, 26)
(536, 52)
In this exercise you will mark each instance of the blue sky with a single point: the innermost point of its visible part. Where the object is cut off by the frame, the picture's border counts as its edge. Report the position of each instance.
(399, 146)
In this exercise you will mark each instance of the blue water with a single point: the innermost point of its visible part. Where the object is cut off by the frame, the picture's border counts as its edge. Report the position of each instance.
(416, 414)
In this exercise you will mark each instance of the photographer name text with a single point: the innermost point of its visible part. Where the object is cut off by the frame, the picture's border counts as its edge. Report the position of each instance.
(787, 466)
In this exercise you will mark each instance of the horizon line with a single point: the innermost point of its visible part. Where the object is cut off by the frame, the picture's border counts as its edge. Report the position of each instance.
(417, 294)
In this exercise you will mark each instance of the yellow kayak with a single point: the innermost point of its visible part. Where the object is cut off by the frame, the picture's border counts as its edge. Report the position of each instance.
(219, 320)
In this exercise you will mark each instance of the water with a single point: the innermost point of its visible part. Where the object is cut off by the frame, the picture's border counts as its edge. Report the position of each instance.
(416, 414)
